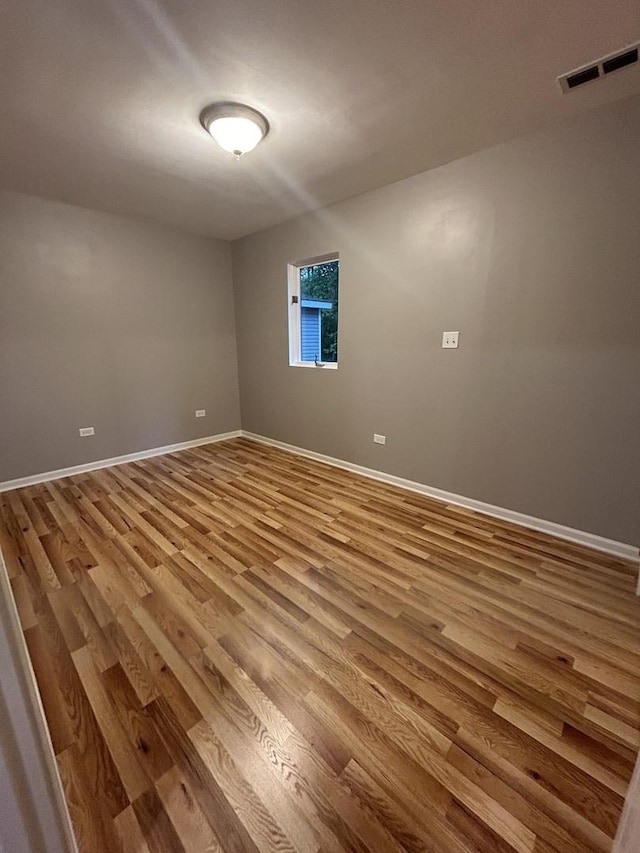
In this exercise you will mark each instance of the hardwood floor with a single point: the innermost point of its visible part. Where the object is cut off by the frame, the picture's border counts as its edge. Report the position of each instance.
(242, 650)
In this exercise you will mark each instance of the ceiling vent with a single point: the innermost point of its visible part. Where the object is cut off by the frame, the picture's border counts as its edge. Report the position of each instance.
(599, 68)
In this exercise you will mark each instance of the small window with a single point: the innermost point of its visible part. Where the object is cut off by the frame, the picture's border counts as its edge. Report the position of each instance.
(313, 312)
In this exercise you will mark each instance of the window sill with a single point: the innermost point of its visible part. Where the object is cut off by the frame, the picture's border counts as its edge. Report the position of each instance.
(326, 365)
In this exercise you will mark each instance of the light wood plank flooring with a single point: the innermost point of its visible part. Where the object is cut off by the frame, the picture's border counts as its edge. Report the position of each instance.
(242, 650)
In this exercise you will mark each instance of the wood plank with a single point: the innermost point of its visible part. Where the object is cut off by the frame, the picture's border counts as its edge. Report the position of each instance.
(242, 650)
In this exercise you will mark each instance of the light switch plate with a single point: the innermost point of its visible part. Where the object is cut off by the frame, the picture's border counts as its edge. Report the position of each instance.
(450, 340)
(85, 431)
(200, 413)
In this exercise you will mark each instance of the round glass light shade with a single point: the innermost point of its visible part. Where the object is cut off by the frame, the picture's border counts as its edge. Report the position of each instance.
(234, 134)
(235, 127)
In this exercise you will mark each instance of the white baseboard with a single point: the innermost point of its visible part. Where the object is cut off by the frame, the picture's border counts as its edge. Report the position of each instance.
(21, 482)
(580, 537)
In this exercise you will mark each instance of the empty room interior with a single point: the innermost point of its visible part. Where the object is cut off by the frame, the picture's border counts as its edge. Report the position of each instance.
(319, 426)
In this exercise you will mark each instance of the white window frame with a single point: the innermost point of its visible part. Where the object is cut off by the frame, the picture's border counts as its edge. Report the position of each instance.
(294, 307)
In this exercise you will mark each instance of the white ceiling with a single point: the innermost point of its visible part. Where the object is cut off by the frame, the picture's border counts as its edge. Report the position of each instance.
(99, 99)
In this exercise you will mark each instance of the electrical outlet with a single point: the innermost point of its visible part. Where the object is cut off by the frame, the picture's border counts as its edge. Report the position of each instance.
(379, 439)
(200, 413)
(85, 431)
(450, 340)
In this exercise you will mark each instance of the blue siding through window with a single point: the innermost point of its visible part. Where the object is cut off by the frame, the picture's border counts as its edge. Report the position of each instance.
(310, 334)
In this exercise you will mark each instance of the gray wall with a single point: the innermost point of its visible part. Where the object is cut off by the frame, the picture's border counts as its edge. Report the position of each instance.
(532, 251)
(113, 323)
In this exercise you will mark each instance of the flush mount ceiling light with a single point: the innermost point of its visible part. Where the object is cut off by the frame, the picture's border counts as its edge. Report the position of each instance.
(235, 127)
